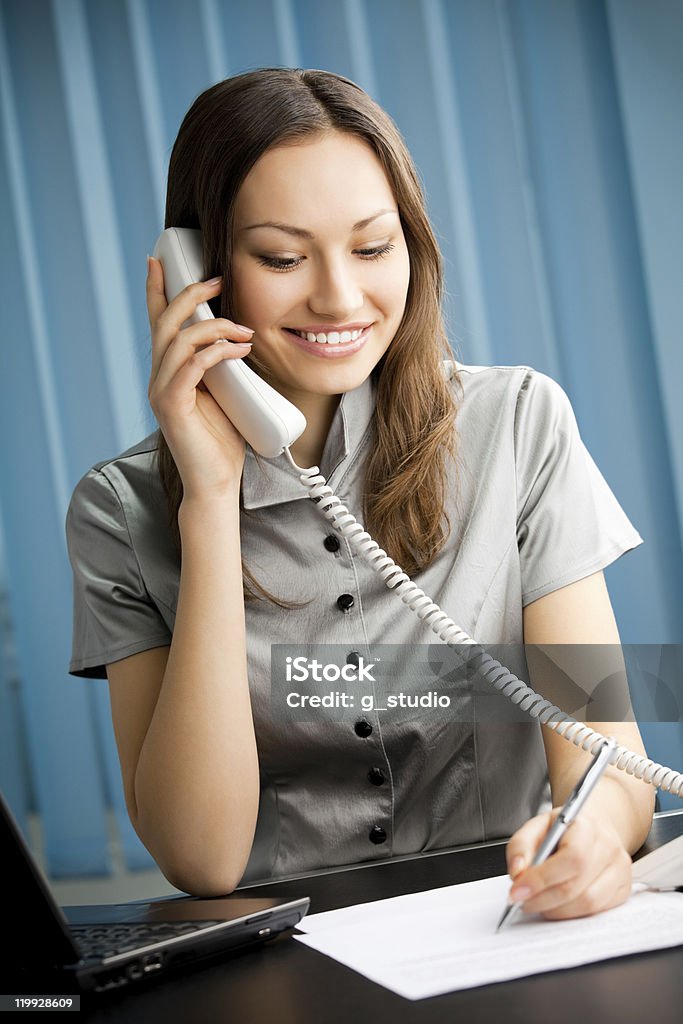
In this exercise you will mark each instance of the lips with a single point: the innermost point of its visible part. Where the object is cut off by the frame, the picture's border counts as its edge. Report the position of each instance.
(325, 350)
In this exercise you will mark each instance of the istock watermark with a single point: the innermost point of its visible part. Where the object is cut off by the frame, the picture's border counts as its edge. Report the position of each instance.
(406, 682)
(301, 669)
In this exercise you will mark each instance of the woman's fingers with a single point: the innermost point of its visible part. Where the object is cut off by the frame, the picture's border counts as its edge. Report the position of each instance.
(172, 346)
(182, 307)
(611, 887)
(566, 884)
(191, 340)
(523, 844)
(541, 885)
(156, 296)
(177, 394)
(207, 449)
(166, 318)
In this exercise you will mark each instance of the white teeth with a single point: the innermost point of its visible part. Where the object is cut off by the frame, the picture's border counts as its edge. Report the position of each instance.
(333, 338)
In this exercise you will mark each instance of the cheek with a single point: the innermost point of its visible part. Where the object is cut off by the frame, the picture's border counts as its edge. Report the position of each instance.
(401, 271)
(262, 298)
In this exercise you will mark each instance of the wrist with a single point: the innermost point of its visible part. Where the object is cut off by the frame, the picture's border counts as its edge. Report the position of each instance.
(624, 810)
(205, 507)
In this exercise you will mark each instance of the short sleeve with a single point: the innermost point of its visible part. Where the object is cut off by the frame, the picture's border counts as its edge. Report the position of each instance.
(569, 523)
(113, 615)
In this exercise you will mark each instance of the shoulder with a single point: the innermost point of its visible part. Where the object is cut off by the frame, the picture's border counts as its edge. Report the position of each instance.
(118, 522)
(521, 391)
(504, 393)
(482, 380)
(135, 464)
(127, 481)
(496, 377)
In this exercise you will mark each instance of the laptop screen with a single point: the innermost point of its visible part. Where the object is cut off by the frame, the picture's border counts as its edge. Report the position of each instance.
(38, 927)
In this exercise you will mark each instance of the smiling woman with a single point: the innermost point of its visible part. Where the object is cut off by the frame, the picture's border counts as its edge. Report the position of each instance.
(310, 180)
(339, 278)
(192, 557)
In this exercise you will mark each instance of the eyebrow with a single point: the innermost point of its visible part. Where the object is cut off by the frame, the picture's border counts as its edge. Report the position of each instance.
(302, 233)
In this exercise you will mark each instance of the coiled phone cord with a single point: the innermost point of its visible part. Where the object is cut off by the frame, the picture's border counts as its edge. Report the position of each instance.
(446, 629)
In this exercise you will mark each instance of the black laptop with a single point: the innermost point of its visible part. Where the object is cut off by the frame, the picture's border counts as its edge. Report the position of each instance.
(98, 948)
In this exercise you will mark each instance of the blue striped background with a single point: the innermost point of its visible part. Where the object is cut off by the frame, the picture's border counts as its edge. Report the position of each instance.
(547, 134)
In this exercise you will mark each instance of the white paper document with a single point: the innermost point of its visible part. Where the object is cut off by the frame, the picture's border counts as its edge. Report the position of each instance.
(424, 944)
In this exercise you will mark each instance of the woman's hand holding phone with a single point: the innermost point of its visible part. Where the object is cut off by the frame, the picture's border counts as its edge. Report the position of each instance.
(207, 449)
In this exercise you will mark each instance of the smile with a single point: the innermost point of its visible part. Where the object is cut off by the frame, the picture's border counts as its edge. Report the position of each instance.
(333, 338)
(334, 345)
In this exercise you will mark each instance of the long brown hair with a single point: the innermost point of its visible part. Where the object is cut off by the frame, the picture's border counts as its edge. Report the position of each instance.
(225, 131)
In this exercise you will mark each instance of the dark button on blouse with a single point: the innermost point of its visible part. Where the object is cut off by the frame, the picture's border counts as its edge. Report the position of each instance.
(362, 728)
(376, 776)
(353, 658)
(377, 835)
(331, 542)
(345, 602)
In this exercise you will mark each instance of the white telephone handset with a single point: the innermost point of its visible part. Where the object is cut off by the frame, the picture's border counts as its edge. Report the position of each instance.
(270, 424)
(263, 417)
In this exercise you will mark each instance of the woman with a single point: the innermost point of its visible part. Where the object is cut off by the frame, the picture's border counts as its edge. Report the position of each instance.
(314, 224)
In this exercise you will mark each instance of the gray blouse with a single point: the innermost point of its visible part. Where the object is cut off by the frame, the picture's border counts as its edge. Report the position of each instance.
(530, 513)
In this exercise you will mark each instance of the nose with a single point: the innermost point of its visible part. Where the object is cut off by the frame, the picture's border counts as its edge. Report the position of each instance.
(337, 294)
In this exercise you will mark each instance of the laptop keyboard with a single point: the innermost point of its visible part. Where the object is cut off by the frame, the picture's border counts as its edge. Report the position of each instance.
(102, 942)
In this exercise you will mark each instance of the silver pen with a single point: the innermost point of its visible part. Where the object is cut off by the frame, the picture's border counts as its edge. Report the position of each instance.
(573, 805)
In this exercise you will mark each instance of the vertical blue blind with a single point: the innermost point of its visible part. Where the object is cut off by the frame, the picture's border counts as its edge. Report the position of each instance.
(546, 133)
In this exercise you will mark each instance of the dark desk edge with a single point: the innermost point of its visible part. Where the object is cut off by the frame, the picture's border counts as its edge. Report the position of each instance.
(404, 857)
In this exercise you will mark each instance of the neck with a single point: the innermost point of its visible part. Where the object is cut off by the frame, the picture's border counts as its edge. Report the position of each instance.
(319, 411)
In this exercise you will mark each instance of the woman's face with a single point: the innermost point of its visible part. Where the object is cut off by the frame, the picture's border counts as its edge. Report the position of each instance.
(328, 273)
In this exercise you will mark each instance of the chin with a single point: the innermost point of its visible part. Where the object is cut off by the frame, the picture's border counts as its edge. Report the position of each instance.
(335, 380)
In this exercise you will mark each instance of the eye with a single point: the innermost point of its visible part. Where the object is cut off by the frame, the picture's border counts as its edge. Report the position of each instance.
(282, 265)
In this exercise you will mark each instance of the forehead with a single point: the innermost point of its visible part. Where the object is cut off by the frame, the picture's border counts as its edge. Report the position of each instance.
(333, 178)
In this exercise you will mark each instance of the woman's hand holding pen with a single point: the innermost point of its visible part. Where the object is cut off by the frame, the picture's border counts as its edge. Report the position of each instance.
(590, 871)
(207, 449)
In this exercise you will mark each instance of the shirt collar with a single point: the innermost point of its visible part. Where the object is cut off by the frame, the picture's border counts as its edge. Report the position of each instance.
(269, 482)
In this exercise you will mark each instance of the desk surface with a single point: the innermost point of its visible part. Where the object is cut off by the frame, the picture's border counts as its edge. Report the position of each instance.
(288, 983)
